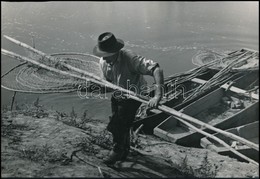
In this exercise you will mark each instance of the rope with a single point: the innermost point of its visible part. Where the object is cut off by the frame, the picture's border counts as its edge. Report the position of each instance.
(13, 69)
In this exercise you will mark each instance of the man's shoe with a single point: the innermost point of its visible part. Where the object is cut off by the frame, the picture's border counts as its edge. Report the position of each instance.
(113, 158)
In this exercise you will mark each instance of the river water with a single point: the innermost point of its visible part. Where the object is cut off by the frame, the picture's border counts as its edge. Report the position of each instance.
(167, 32)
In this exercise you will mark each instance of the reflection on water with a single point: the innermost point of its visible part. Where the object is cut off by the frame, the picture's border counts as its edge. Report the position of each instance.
(168, 32)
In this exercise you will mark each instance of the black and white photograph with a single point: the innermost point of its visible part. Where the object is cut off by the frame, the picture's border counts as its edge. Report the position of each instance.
(130, 89)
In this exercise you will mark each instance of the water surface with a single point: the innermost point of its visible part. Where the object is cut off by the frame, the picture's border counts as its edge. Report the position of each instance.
(167, 32)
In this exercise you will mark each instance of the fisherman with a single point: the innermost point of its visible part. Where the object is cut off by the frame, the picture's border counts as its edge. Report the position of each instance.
(124, 68)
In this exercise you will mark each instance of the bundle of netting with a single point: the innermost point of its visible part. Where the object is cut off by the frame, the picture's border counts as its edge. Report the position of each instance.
(27, 77)
(248, 59)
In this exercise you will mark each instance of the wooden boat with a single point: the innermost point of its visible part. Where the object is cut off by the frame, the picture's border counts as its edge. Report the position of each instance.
(244, 81)
(248, 131)
(243, 64)
(220, 108)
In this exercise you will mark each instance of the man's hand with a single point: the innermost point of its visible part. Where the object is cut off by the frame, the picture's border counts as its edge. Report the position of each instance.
(158, 78)
(154, 102)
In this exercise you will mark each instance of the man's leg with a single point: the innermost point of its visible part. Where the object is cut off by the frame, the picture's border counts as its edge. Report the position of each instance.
(114, 126)
(123, 113)
(131, 106)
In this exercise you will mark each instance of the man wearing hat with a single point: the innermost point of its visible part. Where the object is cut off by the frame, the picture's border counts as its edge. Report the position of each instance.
(125, 69)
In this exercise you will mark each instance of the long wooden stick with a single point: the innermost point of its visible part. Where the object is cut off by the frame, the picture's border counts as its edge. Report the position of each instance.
(133, 95)
(24, 45)
(161, 107)
(102, 82)
(218, 140)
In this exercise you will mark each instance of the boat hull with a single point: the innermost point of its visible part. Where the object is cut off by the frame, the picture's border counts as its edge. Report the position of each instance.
(249, 131)
(209, 109)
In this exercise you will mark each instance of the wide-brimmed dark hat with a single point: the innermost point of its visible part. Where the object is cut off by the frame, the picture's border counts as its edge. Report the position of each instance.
(107, 45)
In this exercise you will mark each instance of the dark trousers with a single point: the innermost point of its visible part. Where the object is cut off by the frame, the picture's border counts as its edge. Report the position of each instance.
(123, 114)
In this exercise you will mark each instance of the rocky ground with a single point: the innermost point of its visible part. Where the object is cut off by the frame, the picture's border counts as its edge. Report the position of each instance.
(40, 143)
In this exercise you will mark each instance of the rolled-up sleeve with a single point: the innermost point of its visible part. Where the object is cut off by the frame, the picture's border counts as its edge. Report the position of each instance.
(140, 64)
(102, 69)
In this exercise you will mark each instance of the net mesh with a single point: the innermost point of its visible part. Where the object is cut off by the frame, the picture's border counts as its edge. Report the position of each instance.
(32, 79)
(244, 60)
(250, 62)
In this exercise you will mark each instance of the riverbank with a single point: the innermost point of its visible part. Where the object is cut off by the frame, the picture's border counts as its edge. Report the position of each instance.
(36, 142)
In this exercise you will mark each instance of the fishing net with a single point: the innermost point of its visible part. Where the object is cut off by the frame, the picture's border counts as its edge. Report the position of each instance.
(249, 59)
(30, 78)
(244, 60)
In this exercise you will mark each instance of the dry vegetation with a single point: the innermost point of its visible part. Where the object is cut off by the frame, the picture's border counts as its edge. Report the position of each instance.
(41, 143)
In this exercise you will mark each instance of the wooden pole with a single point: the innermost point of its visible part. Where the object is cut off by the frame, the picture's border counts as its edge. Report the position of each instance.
(131, 95)
(24, 45)
(218, 140)
(91, 77)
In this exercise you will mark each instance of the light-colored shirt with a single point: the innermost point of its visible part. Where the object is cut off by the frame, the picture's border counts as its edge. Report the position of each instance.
(128, 70)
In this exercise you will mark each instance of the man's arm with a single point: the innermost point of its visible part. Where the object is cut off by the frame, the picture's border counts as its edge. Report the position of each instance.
(159, 81)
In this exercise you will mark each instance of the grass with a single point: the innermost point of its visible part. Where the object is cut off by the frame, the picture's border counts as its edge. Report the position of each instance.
(34, 110)
(73, 120)
(104, 140)
(206, 169)
(45, 153)
(4, 109)
(42, 153)
(185, 168)
(86, 146)
(10, 130)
